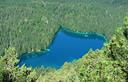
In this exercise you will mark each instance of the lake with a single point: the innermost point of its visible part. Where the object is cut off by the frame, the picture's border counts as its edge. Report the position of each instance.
(66, 46)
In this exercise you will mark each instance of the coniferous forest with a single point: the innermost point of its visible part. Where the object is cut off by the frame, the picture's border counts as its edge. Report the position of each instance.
(30, 26)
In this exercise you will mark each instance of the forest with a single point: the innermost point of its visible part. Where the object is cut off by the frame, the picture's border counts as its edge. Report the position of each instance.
(30, 25)
(106, 65)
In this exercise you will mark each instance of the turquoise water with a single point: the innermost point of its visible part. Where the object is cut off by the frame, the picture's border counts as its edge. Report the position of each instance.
(66, 47)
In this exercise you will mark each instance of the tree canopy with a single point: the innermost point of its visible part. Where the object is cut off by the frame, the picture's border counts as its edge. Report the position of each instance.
(110, 64)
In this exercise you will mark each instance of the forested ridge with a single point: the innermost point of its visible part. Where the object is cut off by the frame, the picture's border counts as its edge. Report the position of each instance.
(30, 25)
(106, 65)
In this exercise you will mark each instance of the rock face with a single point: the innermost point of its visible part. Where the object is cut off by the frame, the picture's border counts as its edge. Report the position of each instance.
(126, 33)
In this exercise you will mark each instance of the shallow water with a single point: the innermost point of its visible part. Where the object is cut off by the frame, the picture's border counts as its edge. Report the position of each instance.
(66, 47)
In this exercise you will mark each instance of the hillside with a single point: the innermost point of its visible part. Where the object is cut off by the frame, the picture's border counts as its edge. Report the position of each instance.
(30, 25)
(106, 65)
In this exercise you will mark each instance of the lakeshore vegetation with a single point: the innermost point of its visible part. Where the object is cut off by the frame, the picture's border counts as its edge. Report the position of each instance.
(30, 25)
(106, 65)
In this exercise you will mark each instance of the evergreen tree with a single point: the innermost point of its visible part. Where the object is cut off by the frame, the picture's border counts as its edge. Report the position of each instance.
(9, 72)
(118, 48)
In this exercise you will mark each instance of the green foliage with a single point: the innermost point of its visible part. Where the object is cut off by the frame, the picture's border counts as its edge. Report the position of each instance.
(93, 67)
(30, 25)
(7, 64)
(118, 48)
(106, 65)
(9, 72)
(126, 21)
(97, 67)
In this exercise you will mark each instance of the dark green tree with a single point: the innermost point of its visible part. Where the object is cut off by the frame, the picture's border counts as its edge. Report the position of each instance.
(118, 48)
(9, 72)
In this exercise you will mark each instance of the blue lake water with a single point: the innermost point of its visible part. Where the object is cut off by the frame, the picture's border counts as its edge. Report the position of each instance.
(66, 47)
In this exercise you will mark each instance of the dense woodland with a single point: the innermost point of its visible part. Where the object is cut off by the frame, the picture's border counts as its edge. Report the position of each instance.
(30, 25)
(110, 64)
